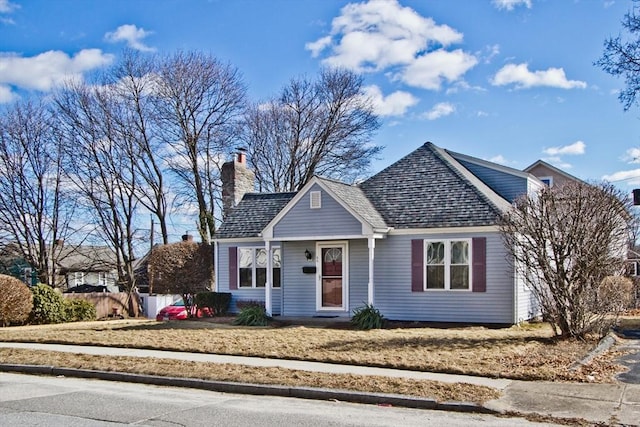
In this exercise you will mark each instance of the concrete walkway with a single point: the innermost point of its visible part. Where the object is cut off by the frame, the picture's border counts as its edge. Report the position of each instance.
(615, 404)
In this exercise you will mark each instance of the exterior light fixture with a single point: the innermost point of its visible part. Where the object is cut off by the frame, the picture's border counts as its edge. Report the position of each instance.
(308, 255)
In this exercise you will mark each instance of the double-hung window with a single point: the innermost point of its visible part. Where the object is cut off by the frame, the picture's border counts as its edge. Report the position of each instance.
(102, 278)
(252, 267)
(78, 278)
(447, 264)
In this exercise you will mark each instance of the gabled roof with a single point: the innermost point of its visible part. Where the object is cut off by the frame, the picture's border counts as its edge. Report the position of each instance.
(356, 200)
(86, 258)
(252, 215)
(552, 168)
(428, 189)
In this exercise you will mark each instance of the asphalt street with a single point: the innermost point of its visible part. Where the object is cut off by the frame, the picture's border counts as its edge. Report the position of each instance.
(27, 400)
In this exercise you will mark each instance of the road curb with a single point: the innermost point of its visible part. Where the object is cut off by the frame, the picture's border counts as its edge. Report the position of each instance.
(255, 389)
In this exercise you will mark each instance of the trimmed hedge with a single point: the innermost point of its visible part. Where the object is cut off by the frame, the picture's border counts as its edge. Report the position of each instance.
(48, 305)
(16, 301)
(79, 310)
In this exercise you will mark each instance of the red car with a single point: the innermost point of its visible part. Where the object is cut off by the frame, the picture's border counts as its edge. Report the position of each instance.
(177, 311)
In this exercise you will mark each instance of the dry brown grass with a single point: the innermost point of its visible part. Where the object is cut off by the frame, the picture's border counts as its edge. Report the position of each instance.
(239, 373)
(528, 353)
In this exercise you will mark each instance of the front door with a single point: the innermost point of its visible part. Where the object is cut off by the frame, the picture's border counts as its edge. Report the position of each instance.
(332, 279)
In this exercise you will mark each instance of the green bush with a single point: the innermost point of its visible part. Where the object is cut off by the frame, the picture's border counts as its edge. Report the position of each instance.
(79, 310)
(367, 317)
(48, 305)
(252, 316)
(217, 302)
(16, 301)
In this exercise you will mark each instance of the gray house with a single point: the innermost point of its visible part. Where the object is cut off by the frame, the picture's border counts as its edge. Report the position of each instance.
(419, 241)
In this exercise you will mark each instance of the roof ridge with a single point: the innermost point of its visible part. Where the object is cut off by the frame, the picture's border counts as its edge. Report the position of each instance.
(479, 187)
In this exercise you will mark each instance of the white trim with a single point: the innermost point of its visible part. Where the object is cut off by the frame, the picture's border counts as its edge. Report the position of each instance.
(371, 244)
(493, 197)
(254, 265)
(216, 264)
(321, 238)
(548, 178)
(256, 239)
(267, 231)
(269, 278)
(445, 230)
(447, 264)
(315, 199)
(344, 245)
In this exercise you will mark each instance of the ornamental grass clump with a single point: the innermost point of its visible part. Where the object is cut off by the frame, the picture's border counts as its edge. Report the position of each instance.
(367, 317)
(252, 316)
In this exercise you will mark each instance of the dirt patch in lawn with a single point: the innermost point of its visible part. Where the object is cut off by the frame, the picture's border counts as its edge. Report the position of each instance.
(238, 373)
(527, 353)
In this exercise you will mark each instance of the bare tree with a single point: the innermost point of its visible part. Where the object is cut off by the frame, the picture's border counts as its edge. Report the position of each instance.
(564, 242)
(133, 81)
(35, 210)
(200, 102)
(315, 127)
(101, 166)
(621, 57)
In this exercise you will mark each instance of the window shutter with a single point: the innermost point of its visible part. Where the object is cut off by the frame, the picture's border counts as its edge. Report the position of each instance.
(233, 268)
(417, 265)
(479, 249)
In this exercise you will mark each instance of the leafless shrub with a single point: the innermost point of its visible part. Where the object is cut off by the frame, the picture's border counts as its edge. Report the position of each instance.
(564, 241)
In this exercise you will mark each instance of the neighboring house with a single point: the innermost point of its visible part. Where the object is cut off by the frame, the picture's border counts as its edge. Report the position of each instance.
(86, 265)
(419, 240)
(13, 264)
(549, 174)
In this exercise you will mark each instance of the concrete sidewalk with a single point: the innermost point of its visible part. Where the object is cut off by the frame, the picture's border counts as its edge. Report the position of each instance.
(615, 404)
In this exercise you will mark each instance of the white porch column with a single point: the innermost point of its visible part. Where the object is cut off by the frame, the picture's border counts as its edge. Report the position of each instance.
(372, 247)
(267, 285)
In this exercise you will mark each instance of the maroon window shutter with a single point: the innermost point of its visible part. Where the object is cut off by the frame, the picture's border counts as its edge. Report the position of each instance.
(417, 265)
(233, 268)
(479, 249)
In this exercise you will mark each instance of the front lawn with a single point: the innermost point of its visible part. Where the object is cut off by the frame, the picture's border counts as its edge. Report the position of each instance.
(526, 353)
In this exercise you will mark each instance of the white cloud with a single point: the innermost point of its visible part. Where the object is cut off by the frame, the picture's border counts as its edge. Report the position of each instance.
(441, 109)
(429, 70)
(132, 35)
(558, 162)
(511, 4)
(395, 104)
(632, 155)
(6, 95)
(522, 78)
(7, 7)
(46, 70)
(499, 159)
(381, 34)
(576, 148)
(632, 177)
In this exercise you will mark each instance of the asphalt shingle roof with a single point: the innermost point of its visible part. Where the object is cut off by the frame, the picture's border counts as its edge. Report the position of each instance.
(427, 190)
(252, 215)
(355, 198)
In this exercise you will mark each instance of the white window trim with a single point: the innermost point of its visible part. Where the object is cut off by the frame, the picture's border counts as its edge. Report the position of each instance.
(102, 278)
(549, 178)
(447, 265)
(78, 278)
(344, 245)
(315, 199)
(253, 267)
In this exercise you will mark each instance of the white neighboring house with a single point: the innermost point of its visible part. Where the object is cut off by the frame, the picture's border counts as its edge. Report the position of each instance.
(87, 265)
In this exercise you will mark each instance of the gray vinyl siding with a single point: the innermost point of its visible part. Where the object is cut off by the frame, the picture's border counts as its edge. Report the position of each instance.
(510, 187)
(331, 219)
(244, 294)
(394, 298)
(300, 288)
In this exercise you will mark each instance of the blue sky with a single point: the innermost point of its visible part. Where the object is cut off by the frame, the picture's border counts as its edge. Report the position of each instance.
(511, 81)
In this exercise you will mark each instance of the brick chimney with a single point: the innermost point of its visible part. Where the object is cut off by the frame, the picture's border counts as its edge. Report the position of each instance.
(237, 180)
(187, 237)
